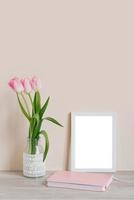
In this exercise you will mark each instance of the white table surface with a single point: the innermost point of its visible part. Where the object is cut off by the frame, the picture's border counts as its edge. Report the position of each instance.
(14, 186)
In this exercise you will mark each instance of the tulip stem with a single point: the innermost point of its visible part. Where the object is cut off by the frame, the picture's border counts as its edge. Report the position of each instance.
(31, 102)
(26, 104)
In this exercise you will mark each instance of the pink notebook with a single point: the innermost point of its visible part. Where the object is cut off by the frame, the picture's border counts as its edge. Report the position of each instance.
(80, 180)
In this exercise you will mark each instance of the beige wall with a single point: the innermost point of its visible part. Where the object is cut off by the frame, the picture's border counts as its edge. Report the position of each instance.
(83, 51)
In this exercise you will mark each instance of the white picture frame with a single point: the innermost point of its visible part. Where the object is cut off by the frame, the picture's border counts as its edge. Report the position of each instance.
(77, 142)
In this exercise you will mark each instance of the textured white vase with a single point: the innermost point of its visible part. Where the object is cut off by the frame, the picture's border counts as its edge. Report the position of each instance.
(33, 165)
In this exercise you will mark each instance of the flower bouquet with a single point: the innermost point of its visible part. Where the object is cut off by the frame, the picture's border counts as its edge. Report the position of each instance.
(29, 99)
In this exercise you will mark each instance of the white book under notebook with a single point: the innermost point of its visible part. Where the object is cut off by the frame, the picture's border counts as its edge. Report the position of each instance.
(80, 180)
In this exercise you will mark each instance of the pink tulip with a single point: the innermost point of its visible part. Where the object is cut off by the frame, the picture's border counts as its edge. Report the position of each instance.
(35, 83)
(27, 85)
(16, 85)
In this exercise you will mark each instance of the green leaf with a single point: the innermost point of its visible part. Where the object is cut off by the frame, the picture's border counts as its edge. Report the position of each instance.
(37, 128)
(36, 116)
(34, 125)
(37, 102)
(43, 109)
(22, 109)
(53, 121)
(44, 133)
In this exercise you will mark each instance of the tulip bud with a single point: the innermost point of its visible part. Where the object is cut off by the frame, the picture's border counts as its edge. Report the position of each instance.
(16, 85)
(27, 85)
(36, 84)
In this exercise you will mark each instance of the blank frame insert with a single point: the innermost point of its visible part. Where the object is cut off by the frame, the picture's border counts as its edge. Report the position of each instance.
(93, 142)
